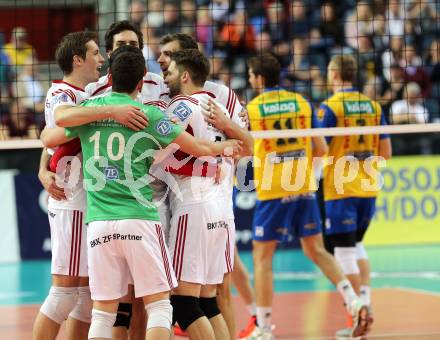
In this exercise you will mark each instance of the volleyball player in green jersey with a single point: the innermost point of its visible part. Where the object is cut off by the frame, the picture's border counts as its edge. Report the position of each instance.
(125, 240)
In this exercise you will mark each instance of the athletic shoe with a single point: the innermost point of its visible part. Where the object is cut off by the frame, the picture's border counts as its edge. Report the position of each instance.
(346, 334)
(261, 334)
(361, 318)
(252, 323)
(180, 332)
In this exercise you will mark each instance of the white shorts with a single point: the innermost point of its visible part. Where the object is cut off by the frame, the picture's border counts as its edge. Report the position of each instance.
(128, 251)
(230, 246)
(198, 238)
(68, 235)
(165, 218)
(161, 199)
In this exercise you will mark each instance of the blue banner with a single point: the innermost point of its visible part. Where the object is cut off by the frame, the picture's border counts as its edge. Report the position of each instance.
(33, 225)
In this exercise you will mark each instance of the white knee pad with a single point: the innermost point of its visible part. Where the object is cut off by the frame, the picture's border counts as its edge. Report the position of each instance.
(102, 324)
(346, 257)
(361, 253)
(59, 303)
(84, 305)
(160, 314)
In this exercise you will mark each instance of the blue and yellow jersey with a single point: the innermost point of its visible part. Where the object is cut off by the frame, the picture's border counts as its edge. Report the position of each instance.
(282, 166)
(350, 108)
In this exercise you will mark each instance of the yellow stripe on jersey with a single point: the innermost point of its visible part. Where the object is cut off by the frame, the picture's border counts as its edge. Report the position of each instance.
(283, 166)
(347, 109)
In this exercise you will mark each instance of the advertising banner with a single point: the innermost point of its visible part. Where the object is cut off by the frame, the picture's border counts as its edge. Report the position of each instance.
(33, 225)
(9, 243)
(408, 207)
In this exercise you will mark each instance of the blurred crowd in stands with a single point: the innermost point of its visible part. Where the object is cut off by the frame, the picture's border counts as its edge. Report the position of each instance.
(396, 43)
(22, 95)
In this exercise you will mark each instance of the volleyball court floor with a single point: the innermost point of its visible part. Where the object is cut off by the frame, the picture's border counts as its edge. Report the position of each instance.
(406, 296)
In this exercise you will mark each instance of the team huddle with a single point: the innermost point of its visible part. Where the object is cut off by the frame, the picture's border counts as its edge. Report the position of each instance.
(142, 221)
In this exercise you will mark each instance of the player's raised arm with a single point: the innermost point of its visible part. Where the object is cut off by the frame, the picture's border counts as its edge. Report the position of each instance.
(52, 137)
(385, 148)
(215, 116)
(128, 115)
(203, 147)
(47, 178)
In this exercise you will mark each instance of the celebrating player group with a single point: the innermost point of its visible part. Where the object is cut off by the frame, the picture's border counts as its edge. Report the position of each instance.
(140, 172)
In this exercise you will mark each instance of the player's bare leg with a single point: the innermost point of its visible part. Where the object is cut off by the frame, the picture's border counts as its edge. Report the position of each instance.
(241, 281)
(263, 254)
(160, 316)
(208, 296)
(224, 302)
(365, 271)
(200, 328)
(138, 324)
(46, 328)
(77, 325)
(121, 332)
(103, 318)
(313, 248)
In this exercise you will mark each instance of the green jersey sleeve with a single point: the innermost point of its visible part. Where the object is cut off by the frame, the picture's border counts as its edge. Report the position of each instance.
(161, 128)
(71, 131)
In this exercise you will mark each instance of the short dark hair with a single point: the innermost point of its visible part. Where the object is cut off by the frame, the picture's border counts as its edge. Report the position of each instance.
(267, 66)
(185, 40)
(193, 61)
(345, 65)
(72, 44)
(118, 27)
(127, 67)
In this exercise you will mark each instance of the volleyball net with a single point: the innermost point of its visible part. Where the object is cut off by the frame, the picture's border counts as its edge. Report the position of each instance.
(395, 44)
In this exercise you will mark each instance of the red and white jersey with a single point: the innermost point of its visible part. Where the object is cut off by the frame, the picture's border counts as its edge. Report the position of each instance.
(222, 94)
(186, 110)
(59, 94)
(154, 91)
(227, 98)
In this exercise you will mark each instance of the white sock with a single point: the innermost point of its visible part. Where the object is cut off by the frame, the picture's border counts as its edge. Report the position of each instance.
(264, 317)
(366, 295)
(346, 290)
(252, 309)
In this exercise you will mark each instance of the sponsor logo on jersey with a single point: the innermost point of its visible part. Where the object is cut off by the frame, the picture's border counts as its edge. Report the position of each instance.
(182, 111)
(259, 231)
(358, 107)
(163, 127)
(111, 173)
(62, 98)
(287, 106)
